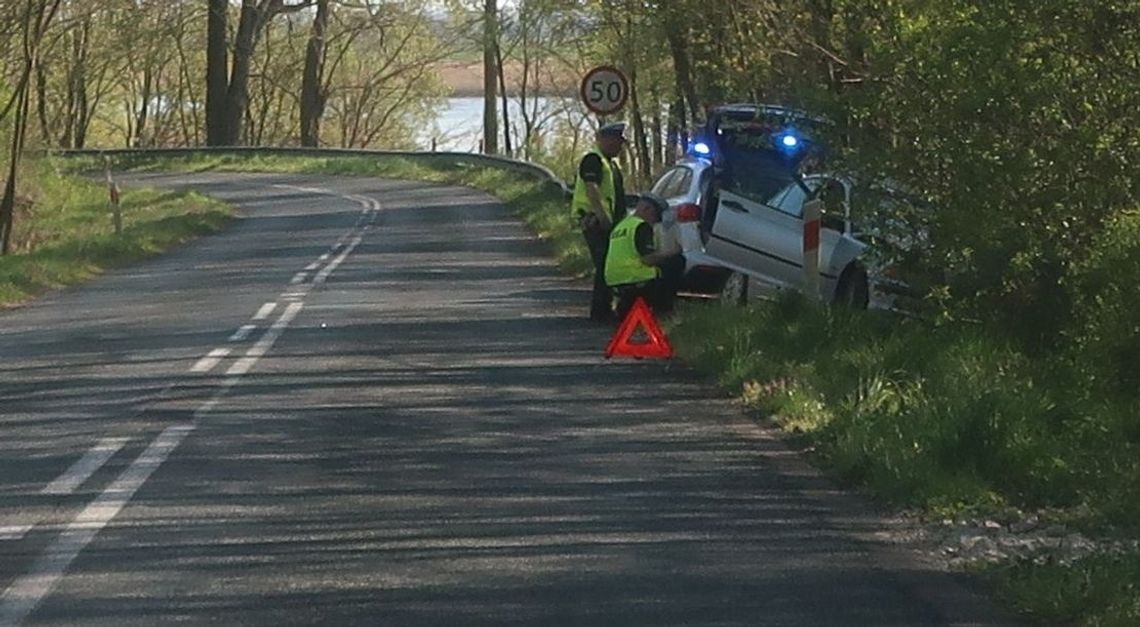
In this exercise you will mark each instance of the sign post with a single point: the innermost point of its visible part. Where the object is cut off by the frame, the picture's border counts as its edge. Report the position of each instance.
(604, 90)
(813, 213)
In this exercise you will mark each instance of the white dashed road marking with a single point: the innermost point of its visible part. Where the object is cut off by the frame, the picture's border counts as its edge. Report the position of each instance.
(211, 360)
(14, 532)
(82, 470)
(265, 310)
(243, 332)
(258, 350)
(26, 592)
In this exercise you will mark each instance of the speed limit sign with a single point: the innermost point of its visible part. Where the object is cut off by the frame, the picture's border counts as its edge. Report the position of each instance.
(605, 90)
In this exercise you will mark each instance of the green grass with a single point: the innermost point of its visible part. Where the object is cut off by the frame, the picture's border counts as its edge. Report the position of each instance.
(1097, 592)
(65, 234)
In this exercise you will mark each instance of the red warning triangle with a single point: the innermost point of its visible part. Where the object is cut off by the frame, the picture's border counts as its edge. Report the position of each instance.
(640, 317)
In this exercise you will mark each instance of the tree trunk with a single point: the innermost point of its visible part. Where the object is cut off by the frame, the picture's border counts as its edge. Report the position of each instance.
(683, 70)
(490, 74)
(237, 95)
(639, 138)
(655, 127)
(312, 96)
(506, 110)
(217, 62)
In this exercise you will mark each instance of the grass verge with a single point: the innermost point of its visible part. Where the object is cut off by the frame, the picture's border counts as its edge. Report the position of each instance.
(64, 232)
(947, 419)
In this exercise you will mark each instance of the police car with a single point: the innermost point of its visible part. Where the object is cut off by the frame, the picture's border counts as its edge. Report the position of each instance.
(737, 202)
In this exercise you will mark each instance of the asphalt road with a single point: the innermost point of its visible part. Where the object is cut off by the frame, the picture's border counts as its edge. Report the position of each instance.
(377, 402)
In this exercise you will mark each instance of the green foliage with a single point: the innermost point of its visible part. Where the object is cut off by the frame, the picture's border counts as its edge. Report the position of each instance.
(1016, 120)
(945, 418)
(1104, 288)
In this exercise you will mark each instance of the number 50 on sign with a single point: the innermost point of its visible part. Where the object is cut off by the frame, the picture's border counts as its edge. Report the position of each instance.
(604, 90)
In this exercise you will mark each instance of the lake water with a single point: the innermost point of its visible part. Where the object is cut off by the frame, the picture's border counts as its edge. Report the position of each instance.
(459, 125)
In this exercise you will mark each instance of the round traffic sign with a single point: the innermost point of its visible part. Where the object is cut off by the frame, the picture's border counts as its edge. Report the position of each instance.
(604, 90)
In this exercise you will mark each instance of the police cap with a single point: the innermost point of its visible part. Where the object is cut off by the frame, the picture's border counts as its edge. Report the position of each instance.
(613, 129)
(658, 203)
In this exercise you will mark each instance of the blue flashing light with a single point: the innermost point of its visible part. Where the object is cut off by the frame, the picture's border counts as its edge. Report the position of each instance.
(702, 149)
(789, 141)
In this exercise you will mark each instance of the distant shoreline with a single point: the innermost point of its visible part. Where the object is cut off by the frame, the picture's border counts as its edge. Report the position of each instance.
(465, 80)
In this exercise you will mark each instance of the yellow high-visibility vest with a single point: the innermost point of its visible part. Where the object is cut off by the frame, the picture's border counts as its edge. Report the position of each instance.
(623, 262)
(580, 204)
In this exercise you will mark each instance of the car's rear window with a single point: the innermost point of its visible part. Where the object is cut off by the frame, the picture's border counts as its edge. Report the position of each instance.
(756, 173)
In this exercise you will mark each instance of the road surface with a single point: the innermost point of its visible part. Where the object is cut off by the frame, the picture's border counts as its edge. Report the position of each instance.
(377, 402)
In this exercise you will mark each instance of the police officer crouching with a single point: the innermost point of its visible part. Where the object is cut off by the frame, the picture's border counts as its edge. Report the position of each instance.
(637, 265)
(599, 202)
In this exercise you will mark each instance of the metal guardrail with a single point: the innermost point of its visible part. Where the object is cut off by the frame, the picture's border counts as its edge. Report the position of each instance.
(473, 159)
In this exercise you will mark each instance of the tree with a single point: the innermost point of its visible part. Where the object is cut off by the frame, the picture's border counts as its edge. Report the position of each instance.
(226, 114)
(490, 76)
(313, 97)
(36, 18)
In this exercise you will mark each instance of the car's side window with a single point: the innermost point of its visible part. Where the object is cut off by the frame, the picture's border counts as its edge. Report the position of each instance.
(683, 182)
(665, 183)
(793, 201)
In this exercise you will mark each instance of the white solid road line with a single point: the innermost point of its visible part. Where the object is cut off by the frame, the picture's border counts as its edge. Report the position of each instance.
(324, 274)
(86, 466)
(258, 350)
(265, 310)
(27, 591)
(14, 532)
(299, 278)
(243, 332)
(212, 359)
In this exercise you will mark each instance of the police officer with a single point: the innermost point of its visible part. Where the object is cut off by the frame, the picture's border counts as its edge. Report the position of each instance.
(637, 266)
(599, 202)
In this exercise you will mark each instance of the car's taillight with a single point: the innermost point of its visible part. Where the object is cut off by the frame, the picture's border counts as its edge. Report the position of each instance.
(688, 213)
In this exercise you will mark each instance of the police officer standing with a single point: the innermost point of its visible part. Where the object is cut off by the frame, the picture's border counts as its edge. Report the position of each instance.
(598, 203)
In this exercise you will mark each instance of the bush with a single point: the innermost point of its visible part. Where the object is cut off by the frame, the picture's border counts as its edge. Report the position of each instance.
(1106, 291)
(943, 417)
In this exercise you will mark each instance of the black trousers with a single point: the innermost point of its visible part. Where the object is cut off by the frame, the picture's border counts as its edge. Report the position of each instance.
(660, 293)
(601, 299)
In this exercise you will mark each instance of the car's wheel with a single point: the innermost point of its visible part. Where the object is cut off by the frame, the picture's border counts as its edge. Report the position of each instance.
(735, 290)
(853, 290)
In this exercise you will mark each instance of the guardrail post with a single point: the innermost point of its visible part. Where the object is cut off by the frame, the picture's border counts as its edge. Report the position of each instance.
(116, 199)
(813, 213)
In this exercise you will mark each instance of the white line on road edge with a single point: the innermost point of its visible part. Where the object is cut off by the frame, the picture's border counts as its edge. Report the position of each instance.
(314, 265)
(299, 278)
(243, 332)
(15, 532)
(265, 310)
(211, 360)
(86, 466)
(258, 350)
(26, 592)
